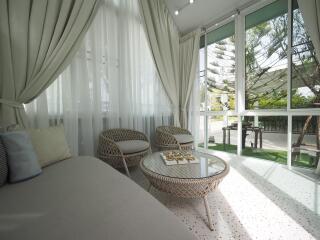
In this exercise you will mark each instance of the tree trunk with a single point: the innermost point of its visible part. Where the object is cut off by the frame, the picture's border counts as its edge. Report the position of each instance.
(303, 132)
(300, 139)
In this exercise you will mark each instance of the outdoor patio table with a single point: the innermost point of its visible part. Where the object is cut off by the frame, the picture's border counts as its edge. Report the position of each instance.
(257, 133)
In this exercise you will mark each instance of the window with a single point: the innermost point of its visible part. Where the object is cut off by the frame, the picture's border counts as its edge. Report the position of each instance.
(265, 137)
(222, 133)
(305, 91)
(262, 81)
(266, 57)
(218, 87)
(202, 74)
(221, 68)
(201, 133)
(304, 141)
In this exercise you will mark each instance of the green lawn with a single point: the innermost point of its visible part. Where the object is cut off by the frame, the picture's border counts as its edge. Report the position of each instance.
(304, 160)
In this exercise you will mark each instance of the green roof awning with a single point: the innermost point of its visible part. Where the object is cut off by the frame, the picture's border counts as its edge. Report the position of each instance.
(263, 14)
(268, 12)
(218, 34)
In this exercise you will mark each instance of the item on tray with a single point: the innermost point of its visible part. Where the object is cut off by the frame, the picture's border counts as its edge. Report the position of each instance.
(178, 155)
(190, 158)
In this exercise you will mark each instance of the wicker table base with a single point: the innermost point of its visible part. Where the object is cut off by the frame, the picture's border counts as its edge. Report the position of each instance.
(185, 187)
(206, 204)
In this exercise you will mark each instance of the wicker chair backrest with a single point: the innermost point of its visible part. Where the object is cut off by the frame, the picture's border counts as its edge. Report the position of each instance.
(172, 130)
(121, 134)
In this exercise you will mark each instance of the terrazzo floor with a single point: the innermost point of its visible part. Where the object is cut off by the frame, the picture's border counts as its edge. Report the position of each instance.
(257, 200)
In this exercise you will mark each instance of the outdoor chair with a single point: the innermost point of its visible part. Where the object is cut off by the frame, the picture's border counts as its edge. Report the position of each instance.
(123, 147)
(170, 138)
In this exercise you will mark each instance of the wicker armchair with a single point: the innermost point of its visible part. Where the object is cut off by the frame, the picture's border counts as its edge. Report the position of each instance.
(123, 147)
(170, 138)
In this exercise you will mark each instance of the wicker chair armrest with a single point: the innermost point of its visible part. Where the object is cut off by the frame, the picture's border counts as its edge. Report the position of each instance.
(107, 147)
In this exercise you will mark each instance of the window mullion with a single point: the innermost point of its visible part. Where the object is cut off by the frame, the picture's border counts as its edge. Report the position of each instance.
(289, 140)
(206, 91)
(289, 82)
(240, 58)
(289, 52)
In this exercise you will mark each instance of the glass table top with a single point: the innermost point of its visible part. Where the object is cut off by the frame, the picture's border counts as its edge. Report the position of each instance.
(207, 166)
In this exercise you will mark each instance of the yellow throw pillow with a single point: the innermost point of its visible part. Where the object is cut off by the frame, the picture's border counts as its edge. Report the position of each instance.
(50, 145)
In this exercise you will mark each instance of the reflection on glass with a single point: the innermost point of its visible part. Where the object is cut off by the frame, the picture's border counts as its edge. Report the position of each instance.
(221, 69)
(305, 67)
(266, 57)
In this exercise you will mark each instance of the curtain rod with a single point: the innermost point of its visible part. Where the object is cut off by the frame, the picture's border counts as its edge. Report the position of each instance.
(227, 16)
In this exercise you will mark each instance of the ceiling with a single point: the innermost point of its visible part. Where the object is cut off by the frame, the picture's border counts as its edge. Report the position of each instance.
(201, 12)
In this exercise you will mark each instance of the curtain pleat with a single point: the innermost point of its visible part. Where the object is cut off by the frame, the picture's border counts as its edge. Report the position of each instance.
(175, 58)
(163, 38)
(310, 11)
(38, 40)
(189, 55)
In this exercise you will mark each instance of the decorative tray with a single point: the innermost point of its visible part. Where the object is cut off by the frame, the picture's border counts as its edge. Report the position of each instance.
(178, 157)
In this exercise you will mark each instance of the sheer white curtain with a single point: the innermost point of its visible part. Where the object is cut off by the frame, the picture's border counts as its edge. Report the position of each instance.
(112, 82)
(194, 109)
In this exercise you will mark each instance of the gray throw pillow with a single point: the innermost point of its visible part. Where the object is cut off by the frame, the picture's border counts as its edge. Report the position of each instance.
(22, 159)
(3, 164)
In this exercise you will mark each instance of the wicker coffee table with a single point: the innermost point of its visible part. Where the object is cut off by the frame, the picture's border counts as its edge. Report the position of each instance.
(192, 180)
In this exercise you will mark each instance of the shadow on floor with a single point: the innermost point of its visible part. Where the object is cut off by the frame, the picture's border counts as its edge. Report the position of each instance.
(306, 218)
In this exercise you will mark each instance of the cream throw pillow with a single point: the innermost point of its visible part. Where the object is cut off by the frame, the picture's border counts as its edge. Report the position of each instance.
(50, 144)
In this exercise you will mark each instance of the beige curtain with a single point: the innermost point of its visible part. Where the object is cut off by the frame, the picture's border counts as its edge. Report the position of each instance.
(189, 55)
(310, 10)
(163, 38)
(37, 41)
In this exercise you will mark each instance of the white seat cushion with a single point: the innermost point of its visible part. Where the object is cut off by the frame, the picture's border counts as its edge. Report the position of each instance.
(133, 146)
(184, 138)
